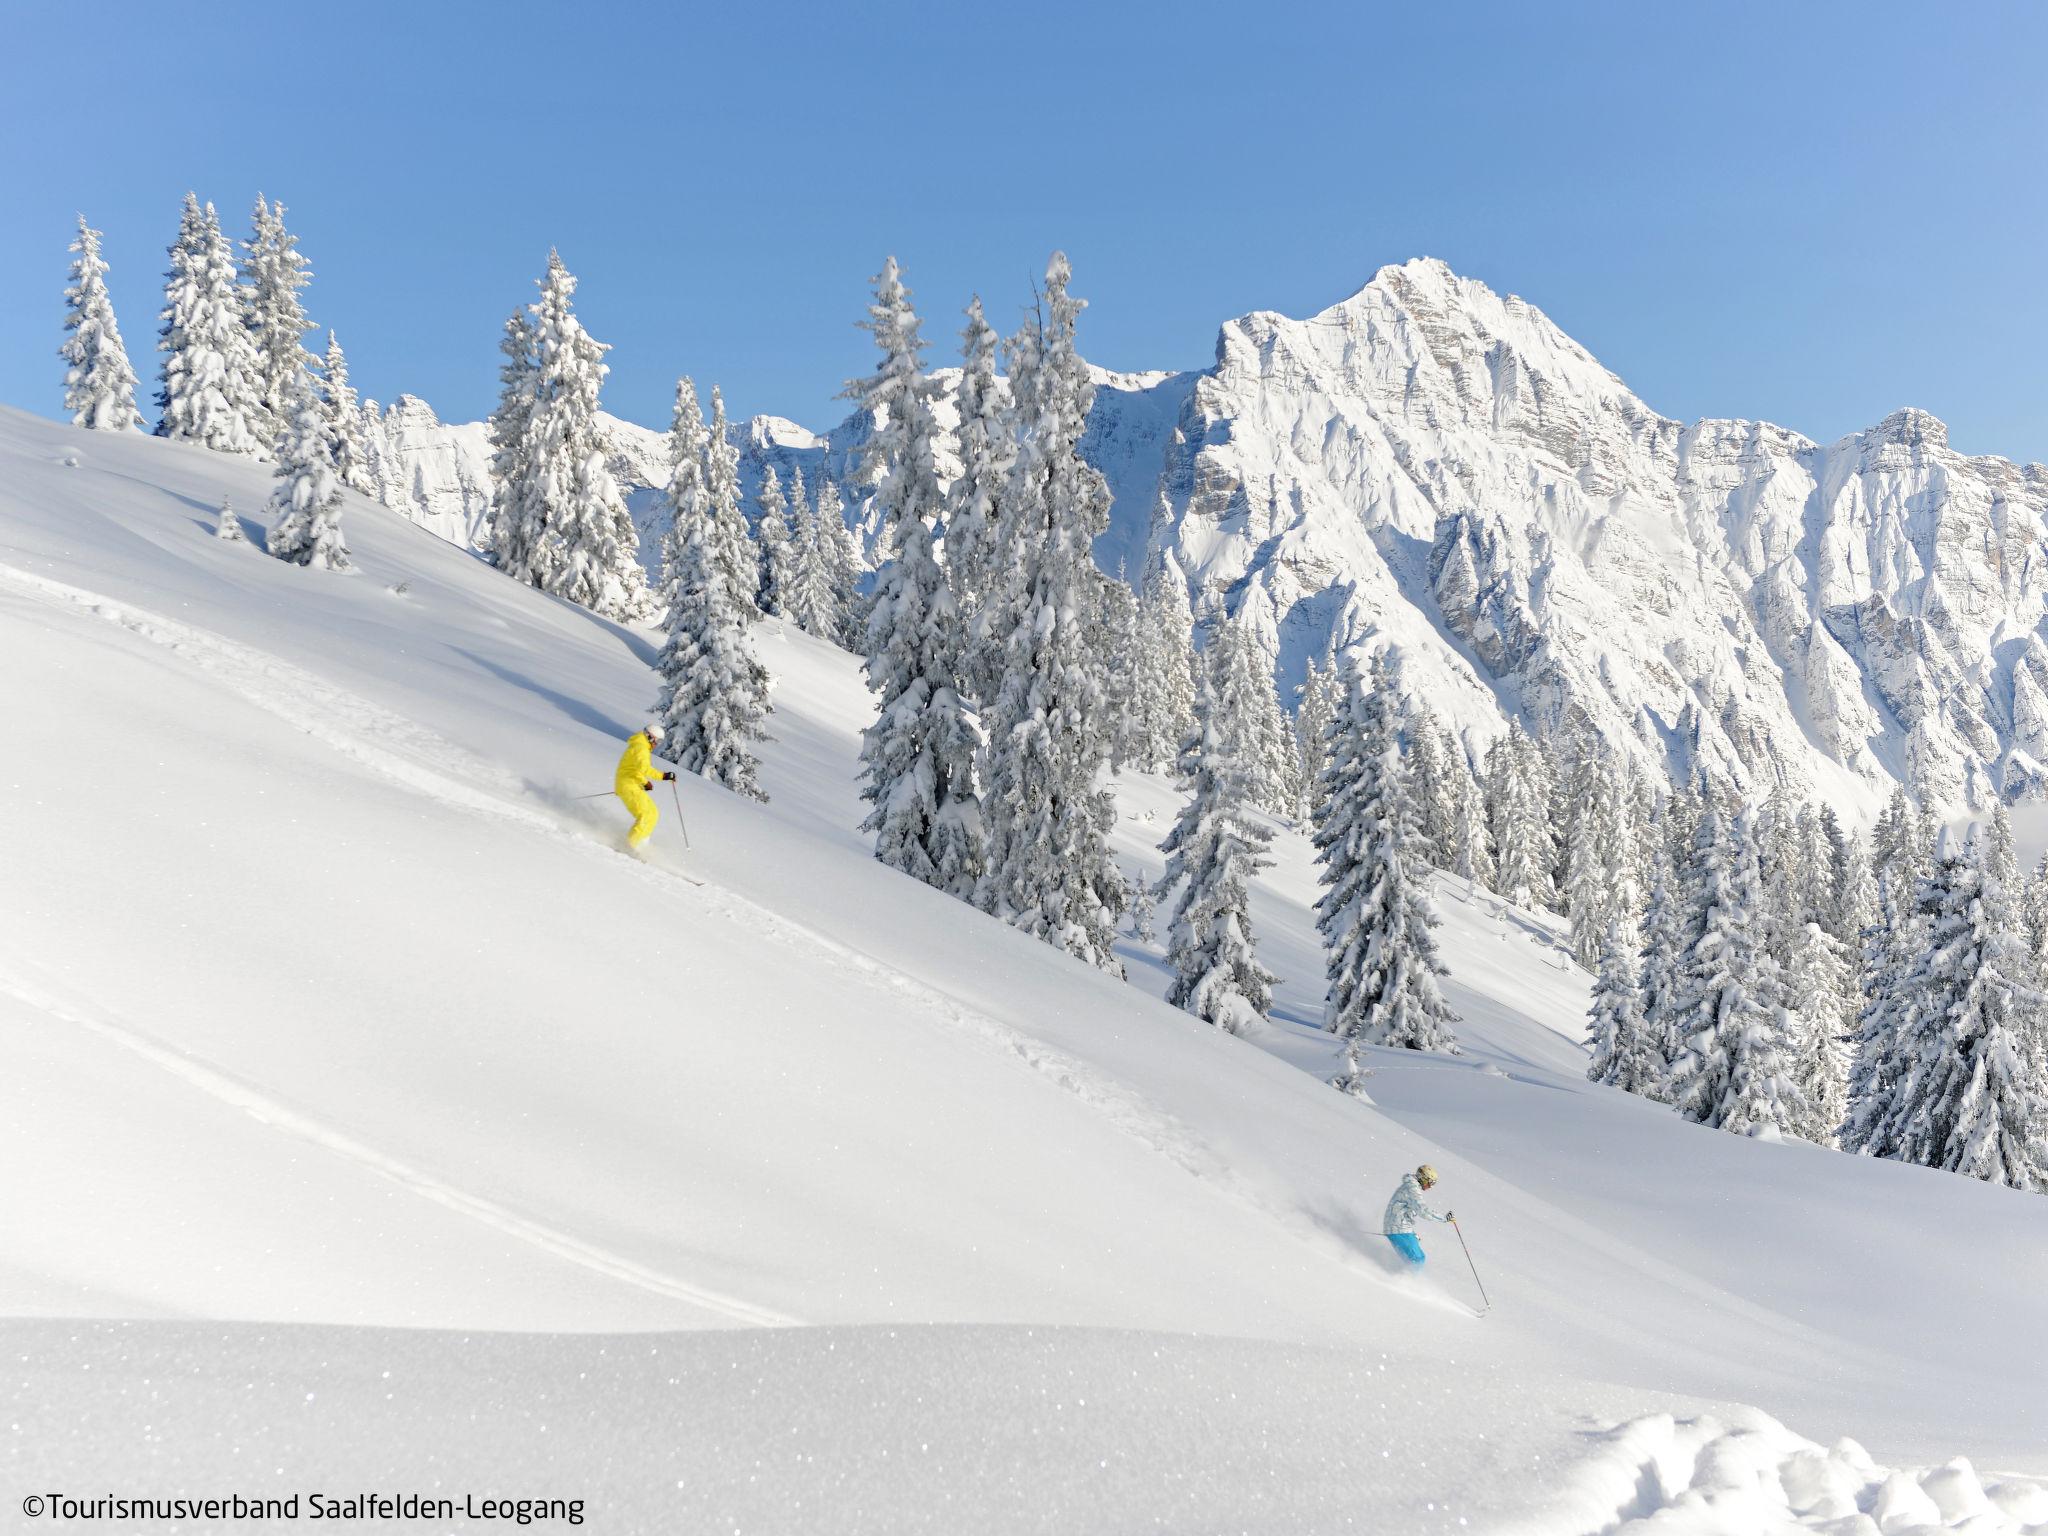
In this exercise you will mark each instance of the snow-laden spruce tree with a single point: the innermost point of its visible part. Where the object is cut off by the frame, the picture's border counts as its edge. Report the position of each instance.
(686, 501)
(845, 565)
(1163, 690)
(1213, 852)
(1660, 974)
(1734, 1071)
(772, 542)
(987, 449)
(1315, 707)
(344, 421)
(1116, 629)
(1598, 877)
(228, 529)
(1818, 1000)
(731, 543)
(1049, 820)
(812, 601)
(1627, 1053)
(1518, 819)
(273, 272)
(207, 389)
(918, 757)
(307, 498)
(507, 431)
(1890, 949)
(1375, 913)
(569, 531)
(1433, 816)
(1471, 859)
(99, 383)
(1971, 1090)
(714, 692)
(1246, 714)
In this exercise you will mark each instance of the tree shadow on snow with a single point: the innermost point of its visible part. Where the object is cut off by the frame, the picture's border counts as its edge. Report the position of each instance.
(576, 709)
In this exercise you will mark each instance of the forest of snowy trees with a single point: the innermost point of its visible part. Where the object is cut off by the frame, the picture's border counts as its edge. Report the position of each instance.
(1758, 967)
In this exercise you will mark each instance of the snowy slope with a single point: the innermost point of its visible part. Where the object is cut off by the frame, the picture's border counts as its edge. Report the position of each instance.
(329, 1011)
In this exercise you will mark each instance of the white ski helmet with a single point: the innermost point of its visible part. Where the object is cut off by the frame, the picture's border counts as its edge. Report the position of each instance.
(651, 732)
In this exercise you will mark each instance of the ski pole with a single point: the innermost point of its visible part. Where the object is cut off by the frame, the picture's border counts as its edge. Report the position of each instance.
(1471, 1266)
(677, 795)
(600, 795)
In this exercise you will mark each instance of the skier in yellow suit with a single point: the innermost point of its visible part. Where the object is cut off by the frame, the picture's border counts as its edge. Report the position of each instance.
(634, 783)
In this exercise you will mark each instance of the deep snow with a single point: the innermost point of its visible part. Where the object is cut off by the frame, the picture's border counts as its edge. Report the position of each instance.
(332, 1016)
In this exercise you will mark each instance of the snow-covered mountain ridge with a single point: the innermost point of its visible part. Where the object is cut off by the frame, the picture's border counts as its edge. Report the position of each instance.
(1436, 467)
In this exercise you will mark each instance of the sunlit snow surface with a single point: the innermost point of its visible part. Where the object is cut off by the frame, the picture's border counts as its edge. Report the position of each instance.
(370, 1119)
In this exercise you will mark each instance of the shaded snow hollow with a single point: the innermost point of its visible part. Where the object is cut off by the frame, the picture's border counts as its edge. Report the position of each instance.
(389, 1129)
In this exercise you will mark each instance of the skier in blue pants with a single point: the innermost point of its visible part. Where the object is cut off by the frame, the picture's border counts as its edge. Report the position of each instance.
(1402, 1210)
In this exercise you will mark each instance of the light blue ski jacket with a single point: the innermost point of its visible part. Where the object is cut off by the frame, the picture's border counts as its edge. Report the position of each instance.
(1406, 1205)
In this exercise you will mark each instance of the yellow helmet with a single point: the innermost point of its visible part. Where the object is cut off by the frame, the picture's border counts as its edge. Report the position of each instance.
(1425, 1176)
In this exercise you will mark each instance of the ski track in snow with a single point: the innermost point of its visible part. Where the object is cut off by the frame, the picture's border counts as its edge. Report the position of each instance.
(404, 752)
(1660, 1474)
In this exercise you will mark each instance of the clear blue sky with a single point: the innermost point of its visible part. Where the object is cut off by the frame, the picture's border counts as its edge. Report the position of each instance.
(1809, 212)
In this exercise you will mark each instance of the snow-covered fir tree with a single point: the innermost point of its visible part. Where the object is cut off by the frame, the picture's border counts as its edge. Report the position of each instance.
(99, 382)
(228, 529)
(207, 391)
(1247, 715)
(918, 757)
(1627, 1053)
(1116, 630)
(507, 431)
(273, 272)
(1599, 868)
(1518, 820)
(569, 531)
(730, 542)
(1660, 973)
(809, 601)
(1435, 812)
(987, 450)
(1890, 947)
(772, 543)
(1375, 912)
(307, 497)
(1471, 859)
(714, 691)
(1314, 708)
(844, 563)
(1734, 1070)
(1819, 1002)
(1049, 820)
(687, 502)
(1213, 852)
(1971, 1091)
(344, 421)
(1163, 691)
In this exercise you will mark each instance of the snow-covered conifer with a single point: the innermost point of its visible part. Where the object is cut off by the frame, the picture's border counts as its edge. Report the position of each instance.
(1734, 1071)
(808, 601)
(730, 542)
(772, 542)
(571, 533)
(1116, 632)
(273, 272)
(844, 564)
(1518, 819)
(714, 692)
(1164, 691)
(207, 389)
(1049, 870)
(307, 498)
(918, 756)
(99, 382)
(344, 421)
(1971, 1092)
(229, 528)
(1213, 852)
(973, 515)
(1661, 974)
(1470, 857)
(507, 429)
(1819, 1003)
(1375, 912)
(1627, 1053)
(688, 505)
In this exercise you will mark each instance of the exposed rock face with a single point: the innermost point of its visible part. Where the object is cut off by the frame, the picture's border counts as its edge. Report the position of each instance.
(1436, 468)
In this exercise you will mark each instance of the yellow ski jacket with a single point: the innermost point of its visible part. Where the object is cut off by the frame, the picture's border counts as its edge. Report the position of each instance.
(637, 766)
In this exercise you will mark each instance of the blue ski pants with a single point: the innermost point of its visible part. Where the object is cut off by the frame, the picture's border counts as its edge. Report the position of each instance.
(1408, 1245)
